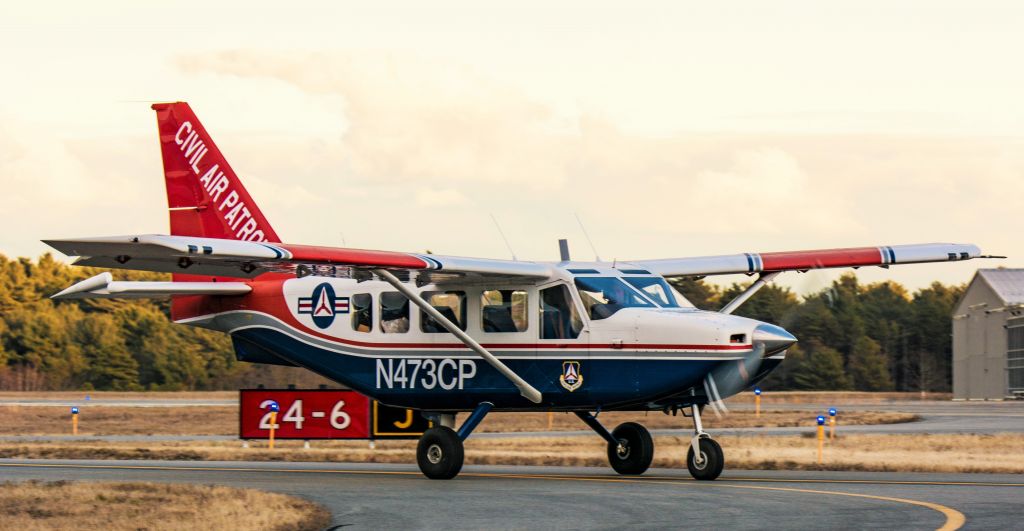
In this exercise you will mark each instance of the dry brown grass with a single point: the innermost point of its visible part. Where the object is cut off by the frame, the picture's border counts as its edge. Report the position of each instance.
(1001, 453)
(824, 398)
(119, 395)
(34, 505)
(833, 398)
(103, 420)
(517, 422)
(223, 420)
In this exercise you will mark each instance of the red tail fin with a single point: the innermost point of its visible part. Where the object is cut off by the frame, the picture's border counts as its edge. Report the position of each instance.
(204, 195)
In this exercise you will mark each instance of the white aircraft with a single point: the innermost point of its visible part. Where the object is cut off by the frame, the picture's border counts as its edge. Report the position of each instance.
(446, 334)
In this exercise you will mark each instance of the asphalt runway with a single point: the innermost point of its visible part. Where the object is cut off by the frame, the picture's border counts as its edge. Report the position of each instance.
(490, 497)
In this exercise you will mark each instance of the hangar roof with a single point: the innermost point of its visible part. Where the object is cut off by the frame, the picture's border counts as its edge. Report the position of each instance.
(1007, 283)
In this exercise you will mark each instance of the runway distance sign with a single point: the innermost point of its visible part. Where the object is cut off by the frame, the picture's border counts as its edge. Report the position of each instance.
(324, 414)
(389, 422)
(304, 414)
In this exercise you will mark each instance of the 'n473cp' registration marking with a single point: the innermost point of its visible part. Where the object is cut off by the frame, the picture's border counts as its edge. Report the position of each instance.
(445, 373)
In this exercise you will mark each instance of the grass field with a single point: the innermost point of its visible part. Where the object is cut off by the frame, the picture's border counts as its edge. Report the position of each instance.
(917, 452)
(34, 505)
(1001, 453)
(781, 397)
(223, 420)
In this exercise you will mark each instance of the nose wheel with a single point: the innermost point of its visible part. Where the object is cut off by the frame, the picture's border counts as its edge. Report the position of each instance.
(705, 459)
(709, 463)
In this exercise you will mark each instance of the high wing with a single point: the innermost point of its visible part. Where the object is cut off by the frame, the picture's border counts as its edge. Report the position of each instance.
(750, 263)
(246, 259)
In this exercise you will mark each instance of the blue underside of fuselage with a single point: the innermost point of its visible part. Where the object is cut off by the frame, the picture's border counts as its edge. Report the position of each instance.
(611, 384)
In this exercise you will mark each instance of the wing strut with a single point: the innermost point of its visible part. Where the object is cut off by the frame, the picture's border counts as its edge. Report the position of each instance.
(525, 389)
(749, 292)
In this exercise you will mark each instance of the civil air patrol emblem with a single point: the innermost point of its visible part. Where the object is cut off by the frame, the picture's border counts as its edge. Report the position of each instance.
(323, 305)
(571, 378)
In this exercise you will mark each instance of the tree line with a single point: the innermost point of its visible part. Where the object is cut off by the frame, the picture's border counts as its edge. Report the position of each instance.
(111, 344)
(875, 337)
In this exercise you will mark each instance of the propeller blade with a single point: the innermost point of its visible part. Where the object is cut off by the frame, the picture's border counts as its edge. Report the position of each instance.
(731, 377)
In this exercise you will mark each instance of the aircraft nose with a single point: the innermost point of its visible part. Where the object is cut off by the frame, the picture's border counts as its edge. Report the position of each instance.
(775, 338)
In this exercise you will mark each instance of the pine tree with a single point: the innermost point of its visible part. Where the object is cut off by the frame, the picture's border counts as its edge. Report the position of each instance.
(819, 367)
(868, 368)
(701, 294)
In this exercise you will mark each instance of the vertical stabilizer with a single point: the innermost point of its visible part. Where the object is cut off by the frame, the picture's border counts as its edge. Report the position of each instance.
(204, 196)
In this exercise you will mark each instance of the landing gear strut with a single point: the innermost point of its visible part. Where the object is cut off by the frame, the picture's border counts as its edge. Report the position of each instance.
(704, 460)
(630, 447)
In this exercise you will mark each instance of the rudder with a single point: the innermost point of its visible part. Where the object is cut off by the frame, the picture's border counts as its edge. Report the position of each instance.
(204, 196)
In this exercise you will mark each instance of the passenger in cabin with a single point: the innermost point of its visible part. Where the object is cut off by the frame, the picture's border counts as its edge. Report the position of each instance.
(394, 313)
(362, 312)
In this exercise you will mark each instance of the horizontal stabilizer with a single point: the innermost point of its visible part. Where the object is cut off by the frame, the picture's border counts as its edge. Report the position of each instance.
(103, 286)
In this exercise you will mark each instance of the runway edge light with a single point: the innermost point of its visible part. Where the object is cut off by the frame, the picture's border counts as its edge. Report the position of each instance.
(274, 408)
(821, 436)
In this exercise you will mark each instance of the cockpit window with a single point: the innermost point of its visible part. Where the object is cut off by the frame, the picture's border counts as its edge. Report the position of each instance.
(656, 289)
(603, 296)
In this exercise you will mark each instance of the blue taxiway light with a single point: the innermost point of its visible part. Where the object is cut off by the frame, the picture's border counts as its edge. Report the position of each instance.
(757, 390)
(831, 411)
(821, 420)
(74, 411)
(274, 407)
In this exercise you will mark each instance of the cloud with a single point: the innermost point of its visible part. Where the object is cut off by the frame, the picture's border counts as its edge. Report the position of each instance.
(413, 119)
(358, 143)
(429, 197)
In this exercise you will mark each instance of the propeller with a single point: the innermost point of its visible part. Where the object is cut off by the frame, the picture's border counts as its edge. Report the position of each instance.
(731, 377)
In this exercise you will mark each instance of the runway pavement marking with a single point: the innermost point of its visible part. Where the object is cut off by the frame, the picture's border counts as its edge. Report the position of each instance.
(954, 518)
(862, 481)
(481, 474)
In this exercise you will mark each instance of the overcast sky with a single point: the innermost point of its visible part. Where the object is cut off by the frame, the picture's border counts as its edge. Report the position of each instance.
(671, 128)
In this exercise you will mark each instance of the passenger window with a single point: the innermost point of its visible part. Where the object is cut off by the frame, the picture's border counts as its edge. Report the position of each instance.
(362, 312)
(394, 313)
(451, 304)
(504, 310)
(558, 314)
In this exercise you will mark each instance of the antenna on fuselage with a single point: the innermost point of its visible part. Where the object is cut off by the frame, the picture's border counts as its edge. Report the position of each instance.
(587, 236)
(502, 233)
(563, 250)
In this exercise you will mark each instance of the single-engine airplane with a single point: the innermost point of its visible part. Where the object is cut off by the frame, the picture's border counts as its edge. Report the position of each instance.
(446, 334)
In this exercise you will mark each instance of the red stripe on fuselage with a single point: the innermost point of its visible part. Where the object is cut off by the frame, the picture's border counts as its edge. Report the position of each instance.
(856, 256)
(267, 297)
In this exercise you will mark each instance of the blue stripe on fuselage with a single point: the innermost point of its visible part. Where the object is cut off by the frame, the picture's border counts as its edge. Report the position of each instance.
(606, 383)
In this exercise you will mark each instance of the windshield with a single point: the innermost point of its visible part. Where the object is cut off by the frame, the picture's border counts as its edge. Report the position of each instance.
(656, 289)
(603, 296)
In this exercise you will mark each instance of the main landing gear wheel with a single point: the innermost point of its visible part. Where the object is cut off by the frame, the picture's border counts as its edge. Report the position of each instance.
(635, 450)
(712, 460)
(440, 453)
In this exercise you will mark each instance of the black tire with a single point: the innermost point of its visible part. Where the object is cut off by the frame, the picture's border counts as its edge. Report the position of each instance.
(714, 461)
(636, 452)
(439, 453)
